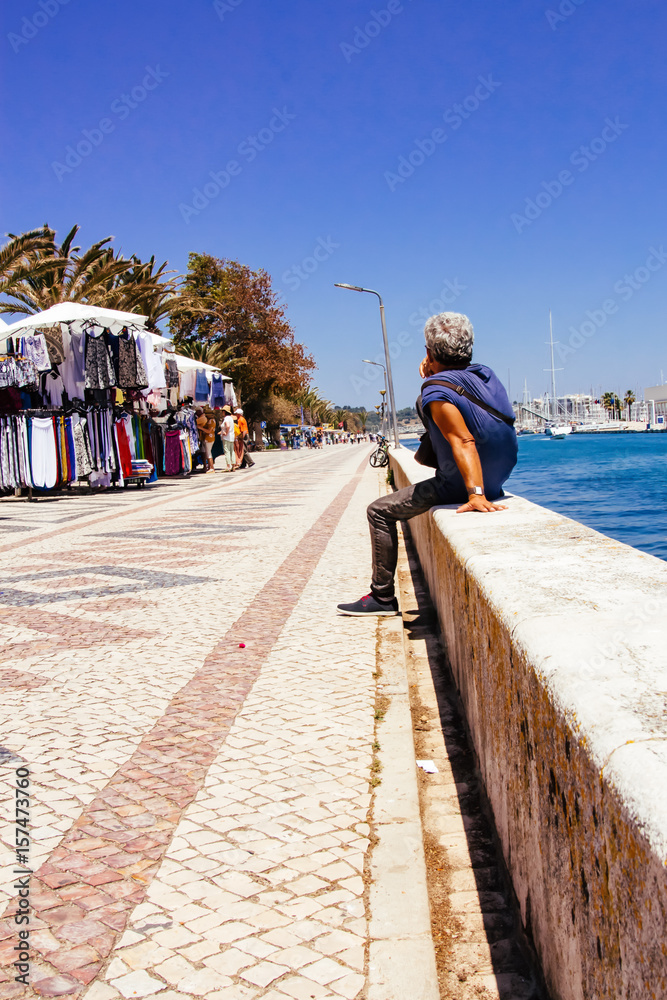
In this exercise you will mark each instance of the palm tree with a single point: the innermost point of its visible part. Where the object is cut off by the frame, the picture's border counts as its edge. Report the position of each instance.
(17, 258)
(317, 409)
(36, 273)
(629, 399)
(142, 289)
(611, 402)
(363, 417)
(212, 354)
(341, 416)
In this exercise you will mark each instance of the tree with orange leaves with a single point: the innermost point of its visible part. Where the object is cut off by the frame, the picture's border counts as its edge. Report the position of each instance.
(225, 304)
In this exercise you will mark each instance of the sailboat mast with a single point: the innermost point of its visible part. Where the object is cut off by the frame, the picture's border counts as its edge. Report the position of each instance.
(554, 400)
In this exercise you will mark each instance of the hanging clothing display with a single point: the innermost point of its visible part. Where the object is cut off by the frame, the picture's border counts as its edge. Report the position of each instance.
(131, 371)
(201, 386)
(152, 360)
(79, 403)
(171, 373)
(217, 397)
(100, 372)
(172, 453)
(188, 382)
(19, 372)
(72, 370)
(124, 452)
(43, 453)
(55, 344)
(34, 349)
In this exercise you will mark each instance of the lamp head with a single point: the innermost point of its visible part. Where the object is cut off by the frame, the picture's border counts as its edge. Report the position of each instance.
(383, 392)
(353, 288)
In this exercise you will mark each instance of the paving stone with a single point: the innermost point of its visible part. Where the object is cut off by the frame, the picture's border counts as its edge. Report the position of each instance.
(325, 971)
(301, 988)
(264, 973)
(160, 790)
(137, 984)
(202, 982)
(229, 962)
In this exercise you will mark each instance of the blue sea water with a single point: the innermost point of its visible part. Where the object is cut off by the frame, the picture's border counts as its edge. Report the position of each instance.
(615, 483)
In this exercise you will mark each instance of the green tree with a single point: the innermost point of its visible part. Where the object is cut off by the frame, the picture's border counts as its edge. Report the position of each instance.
(36, 273)
(611, 403)
(629, 399)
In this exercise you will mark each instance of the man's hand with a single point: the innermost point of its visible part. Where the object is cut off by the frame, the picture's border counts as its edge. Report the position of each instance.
(481, 505)
(425, 369)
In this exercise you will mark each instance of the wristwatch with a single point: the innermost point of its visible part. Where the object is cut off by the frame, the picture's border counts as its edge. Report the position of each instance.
(476, 491)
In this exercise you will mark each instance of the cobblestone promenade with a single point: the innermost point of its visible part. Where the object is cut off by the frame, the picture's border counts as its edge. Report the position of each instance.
(198, 726)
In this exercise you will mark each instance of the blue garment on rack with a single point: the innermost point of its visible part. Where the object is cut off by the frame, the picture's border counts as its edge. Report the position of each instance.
(201, 386)
(217, 397)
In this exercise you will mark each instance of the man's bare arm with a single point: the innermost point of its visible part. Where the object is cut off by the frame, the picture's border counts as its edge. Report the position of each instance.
(453, 427)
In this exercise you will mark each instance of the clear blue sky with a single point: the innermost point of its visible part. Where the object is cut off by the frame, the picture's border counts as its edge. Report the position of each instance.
(324, 171)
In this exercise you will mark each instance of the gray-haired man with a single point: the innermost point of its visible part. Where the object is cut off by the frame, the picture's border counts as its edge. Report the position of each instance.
(475, 449)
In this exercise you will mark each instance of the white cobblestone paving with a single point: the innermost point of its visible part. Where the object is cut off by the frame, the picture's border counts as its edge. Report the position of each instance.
(259, 893)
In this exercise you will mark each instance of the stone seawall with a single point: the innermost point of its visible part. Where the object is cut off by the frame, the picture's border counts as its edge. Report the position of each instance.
(557, 636)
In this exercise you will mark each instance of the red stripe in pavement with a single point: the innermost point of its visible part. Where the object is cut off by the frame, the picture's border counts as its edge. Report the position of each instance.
(83, 895)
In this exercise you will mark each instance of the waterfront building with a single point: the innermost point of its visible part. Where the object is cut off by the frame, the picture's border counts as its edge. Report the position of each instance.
(656, 399)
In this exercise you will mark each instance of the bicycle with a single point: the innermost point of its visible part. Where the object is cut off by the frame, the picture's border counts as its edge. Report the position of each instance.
(380, 457)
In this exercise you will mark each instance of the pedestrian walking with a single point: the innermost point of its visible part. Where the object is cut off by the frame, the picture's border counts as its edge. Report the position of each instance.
(242, 423)
(206, 428)
(227, 435)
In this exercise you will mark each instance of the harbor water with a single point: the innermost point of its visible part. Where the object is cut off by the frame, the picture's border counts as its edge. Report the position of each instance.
(615, 483)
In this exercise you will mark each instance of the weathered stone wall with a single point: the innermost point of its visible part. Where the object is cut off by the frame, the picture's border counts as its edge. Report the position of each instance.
(557, 636)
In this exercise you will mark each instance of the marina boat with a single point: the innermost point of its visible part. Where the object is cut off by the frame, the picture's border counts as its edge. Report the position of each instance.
(558, 431)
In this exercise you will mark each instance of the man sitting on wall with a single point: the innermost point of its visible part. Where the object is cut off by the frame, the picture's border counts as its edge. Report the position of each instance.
(475, 447)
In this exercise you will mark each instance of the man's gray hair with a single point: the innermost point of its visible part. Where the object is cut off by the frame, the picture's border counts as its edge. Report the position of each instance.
(449, 337)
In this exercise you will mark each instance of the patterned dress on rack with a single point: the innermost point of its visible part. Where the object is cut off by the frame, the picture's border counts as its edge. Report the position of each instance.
(131, 369)
(99, 368)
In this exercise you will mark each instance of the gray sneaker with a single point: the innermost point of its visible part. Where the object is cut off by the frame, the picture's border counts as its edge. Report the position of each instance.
(369, 606)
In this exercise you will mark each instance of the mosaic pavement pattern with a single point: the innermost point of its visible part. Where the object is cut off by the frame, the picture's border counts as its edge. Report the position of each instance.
(198, 736)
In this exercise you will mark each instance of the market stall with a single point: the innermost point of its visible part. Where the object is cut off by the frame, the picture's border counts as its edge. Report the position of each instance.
(89, 394)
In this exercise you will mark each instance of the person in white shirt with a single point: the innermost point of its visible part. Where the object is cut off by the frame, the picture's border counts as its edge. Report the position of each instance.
(227, 434)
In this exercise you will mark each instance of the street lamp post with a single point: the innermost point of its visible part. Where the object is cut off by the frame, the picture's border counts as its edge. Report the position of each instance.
(390, 381)
(383, 393)
(378, 365)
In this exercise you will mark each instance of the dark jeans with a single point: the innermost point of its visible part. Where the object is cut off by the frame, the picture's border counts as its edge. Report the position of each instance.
(382, 517)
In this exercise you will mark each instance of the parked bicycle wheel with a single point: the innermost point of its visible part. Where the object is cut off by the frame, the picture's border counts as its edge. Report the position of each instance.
(379, 458)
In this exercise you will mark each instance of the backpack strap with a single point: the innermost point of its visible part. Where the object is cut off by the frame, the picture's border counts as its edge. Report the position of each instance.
(473, 399)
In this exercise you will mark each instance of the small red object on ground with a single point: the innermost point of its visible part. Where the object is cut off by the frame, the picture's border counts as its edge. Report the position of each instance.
(242, 645)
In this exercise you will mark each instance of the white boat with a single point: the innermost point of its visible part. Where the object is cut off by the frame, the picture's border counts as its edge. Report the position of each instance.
(556, 430)
(559, 431)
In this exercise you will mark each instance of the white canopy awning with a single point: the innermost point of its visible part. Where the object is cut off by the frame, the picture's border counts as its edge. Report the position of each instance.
(187, 364)
(82, 316)
(76, 313)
